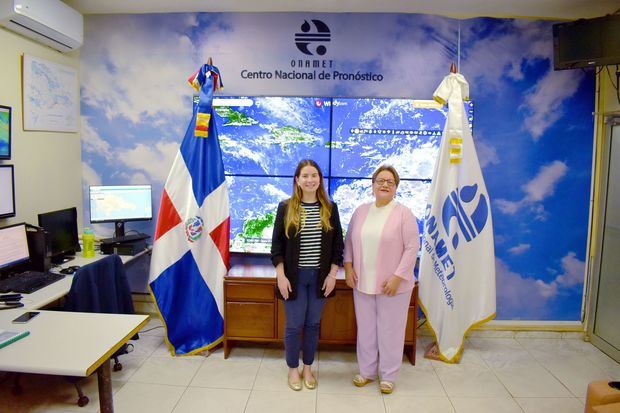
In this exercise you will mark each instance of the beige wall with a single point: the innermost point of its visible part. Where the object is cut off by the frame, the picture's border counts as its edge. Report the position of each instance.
(608, 93)
(48, 168)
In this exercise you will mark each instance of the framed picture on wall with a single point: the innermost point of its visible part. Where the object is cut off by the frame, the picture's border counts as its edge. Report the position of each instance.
(5, 132)
(50, 95)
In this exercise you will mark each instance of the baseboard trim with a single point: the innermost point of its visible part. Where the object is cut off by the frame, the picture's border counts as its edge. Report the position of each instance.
(533, 325)
(144, 305)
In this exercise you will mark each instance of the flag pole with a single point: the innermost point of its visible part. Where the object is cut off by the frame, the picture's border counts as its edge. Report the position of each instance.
(459, 234)
(432, 350)
(191, 249)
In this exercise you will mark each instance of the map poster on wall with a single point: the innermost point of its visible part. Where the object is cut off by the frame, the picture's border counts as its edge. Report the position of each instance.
(50, 93)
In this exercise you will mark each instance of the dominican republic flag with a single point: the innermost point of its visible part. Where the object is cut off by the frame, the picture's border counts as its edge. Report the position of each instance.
(457, 269)
(190, 252)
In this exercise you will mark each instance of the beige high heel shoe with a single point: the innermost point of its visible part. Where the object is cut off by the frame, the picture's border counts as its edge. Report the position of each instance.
(310, 384)
(294, 385)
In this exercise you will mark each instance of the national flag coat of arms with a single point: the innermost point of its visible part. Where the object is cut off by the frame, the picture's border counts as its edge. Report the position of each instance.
(457, 269)
(190, 252)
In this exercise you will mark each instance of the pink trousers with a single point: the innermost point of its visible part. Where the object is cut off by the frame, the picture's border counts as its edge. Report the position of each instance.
(381, 323)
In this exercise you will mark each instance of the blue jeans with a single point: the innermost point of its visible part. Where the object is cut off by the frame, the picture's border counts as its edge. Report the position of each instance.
(303, 315)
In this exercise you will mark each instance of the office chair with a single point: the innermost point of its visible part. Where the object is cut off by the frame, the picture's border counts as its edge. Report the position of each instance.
(101, 287)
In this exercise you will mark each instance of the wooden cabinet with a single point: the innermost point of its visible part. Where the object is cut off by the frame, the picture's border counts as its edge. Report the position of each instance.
(252, 311)
(258, 320)
(338, 322)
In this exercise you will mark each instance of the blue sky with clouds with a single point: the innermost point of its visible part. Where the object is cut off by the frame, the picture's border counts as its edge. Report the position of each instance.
(536, 153)
(533, 126)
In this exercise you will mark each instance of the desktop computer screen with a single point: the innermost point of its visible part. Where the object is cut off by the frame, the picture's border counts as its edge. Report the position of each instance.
(13, 246)
(5, 132)
(61, 227)
(7, 192)
(119, 204)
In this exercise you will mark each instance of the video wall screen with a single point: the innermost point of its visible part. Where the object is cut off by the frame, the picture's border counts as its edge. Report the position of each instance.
(263, 139)
(369, 132)
(268, 135)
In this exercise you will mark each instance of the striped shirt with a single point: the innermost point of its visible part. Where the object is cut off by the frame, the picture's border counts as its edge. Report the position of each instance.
(310, 236)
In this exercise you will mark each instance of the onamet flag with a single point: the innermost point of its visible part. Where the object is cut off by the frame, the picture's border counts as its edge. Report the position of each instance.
(457, 269)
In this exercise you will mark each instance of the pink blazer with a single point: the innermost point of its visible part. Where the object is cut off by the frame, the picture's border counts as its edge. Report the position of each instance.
(398, 249)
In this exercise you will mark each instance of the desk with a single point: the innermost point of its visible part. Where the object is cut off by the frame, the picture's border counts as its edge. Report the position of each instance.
(59, 289)
(253, 313)
(66, 344)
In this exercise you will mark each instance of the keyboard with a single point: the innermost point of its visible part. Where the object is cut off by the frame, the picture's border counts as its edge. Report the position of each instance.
(29, 281)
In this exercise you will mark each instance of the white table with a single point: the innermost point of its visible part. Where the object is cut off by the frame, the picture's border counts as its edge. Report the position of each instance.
(69, 344)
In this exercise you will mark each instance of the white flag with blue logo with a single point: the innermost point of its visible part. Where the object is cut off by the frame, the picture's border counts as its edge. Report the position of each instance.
(457, 269)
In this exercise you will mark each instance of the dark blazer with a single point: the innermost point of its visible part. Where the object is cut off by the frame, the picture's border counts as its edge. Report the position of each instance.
(101, 287)
(286, 250)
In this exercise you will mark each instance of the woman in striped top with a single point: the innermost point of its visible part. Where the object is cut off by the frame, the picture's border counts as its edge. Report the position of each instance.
(380, 252)
(306, 250)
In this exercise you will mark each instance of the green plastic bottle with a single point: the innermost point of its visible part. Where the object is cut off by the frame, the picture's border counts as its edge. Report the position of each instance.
(88, 241)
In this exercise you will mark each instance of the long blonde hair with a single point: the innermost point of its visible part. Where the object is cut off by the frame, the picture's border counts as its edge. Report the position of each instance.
(295, 214)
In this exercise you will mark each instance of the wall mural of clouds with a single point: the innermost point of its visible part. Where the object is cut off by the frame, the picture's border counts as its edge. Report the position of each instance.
(537, 124)
(533, 128)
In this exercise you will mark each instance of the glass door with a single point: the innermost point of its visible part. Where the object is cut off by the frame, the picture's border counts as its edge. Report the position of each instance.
(605, 330)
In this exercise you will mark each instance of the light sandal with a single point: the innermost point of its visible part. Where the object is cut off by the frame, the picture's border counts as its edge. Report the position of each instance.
(361, 381)
(386, 387)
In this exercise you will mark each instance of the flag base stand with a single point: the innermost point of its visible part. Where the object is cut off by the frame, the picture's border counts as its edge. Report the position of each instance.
(432, 352)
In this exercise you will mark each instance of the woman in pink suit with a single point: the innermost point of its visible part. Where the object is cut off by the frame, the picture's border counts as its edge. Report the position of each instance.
(381, 248)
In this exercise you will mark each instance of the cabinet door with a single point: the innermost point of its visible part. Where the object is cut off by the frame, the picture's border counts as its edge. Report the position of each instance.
(338, 321)
(245, 320)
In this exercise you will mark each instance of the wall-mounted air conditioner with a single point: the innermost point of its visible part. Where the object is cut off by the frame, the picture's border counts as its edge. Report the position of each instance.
(50, 22)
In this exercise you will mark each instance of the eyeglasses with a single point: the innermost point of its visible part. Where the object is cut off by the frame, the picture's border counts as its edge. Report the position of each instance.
(381, 181)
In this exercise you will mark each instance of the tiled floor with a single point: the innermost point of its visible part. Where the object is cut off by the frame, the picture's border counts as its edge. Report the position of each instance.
(510, 372)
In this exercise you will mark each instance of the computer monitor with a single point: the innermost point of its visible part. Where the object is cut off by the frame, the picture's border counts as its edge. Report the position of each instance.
(119, 204)
(586, 43)
(7, 191)
(5, 132)
(62, 233)
(13, 246)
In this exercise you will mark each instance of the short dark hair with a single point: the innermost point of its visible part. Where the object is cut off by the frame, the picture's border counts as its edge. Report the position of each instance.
(388, 168)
